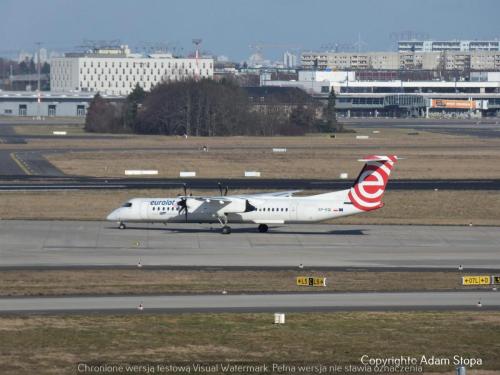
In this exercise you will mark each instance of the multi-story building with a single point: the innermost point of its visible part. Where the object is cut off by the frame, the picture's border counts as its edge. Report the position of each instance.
(406, 60)
(116, 71)
(448, 45)
(348, 60)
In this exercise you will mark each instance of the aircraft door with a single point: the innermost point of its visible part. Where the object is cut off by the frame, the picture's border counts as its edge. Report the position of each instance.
(145, 211)
(293, 211)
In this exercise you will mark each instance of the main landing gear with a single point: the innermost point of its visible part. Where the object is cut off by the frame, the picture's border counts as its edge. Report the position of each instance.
(226, 229)
(263, 228)
(122, 226)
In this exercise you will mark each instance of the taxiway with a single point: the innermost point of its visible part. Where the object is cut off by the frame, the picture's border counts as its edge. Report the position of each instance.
(86, 243)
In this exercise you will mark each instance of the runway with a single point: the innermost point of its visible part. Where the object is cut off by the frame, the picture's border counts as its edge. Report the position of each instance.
(56, 182)
(89, 243)
(255, 302)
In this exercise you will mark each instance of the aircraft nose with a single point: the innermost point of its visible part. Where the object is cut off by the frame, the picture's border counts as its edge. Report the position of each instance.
(113, 216)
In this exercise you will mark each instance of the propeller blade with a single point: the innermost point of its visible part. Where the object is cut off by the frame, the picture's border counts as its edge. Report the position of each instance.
(225, 192)
(220, 187)
(183, 205)
(185, 189)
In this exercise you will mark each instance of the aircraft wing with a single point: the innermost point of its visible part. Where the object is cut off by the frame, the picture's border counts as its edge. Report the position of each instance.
(215, 199)
(272, 194)
(223, 204)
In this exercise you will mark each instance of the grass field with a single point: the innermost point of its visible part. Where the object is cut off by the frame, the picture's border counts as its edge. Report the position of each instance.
(401, 207)
(143, 281)
(71, 129)
(427, 155)
(56, 344)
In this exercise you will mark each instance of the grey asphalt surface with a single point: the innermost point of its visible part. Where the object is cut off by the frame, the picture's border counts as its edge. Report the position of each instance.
(255, 302)
(483, 128)
(36, 164)
(90, 243)
(57, 182)
(8, 166)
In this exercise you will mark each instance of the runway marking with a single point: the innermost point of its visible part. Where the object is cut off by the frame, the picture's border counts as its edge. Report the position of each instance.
(25, 168)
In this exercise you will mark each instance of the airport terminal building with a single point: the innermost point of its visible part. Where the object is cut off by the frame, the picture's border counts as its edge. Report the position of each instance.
(478, 97)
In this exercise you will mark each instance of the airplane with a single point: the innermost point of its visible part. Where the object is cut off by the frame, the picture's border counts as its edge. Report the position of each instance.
(264, 209)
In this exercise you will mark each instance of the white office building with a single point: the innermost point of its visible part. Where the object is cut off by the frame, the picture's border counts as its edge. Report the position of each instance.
(116, 71)
(448, 45)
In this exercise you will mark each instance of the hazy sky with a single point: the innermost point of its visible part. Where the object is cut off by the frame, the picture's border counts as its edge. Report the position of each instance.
(229, 26)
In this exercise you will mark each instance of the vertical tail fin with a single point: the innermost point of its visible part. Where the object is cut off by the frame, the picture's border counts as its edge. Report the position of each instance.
(368, 189)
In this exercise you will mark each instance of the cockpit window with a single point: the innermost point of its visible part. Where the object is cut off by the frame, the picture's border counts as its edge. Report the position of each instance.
(128, 204)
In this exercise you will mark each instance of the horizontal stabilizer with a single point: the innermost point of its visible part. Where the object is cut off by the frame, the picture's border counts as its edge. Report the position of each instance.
(369, 158)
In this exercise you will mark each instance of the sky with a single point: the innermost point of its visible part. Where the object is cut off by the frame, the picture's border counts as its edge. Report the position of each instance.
(229, 27)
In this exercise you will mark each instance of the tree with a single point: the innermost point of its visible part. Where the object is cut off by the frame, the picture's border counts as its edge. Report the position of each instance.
(203, 108)
(45, 69)
(330, 115)
(102, 116)
(131, 106)
(301, 119)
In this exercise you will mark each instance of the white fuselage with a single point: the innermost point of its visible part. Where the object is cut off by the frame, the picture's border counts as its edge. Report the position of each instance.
(268, 210)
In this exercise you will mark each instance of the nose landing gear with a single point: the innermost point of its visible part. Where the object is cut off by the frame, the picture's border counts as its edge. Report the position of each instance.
(122, 226)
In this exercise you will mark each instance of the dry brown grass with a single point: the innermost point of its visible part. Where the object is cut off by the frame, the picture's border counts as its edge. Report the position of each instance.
(401, 207)
(309, 163)
(55, 344)
(71, 129)
(144, 281)
(443, 207)
(428, 155)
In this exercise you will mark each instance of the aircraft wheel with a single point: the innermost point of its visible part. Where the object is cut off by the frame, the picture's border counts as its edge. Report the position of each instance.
(263, 228)
(122, 226)
(226, 229)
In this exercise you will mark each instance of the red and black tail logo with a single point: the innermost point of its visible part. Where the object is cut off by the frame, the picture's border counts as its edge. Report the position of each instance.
(368, 190)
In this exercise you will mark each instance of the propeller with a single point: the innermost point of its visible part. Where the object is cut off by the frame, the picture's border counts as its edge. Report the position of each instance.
(223, 190)
(183, 203)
